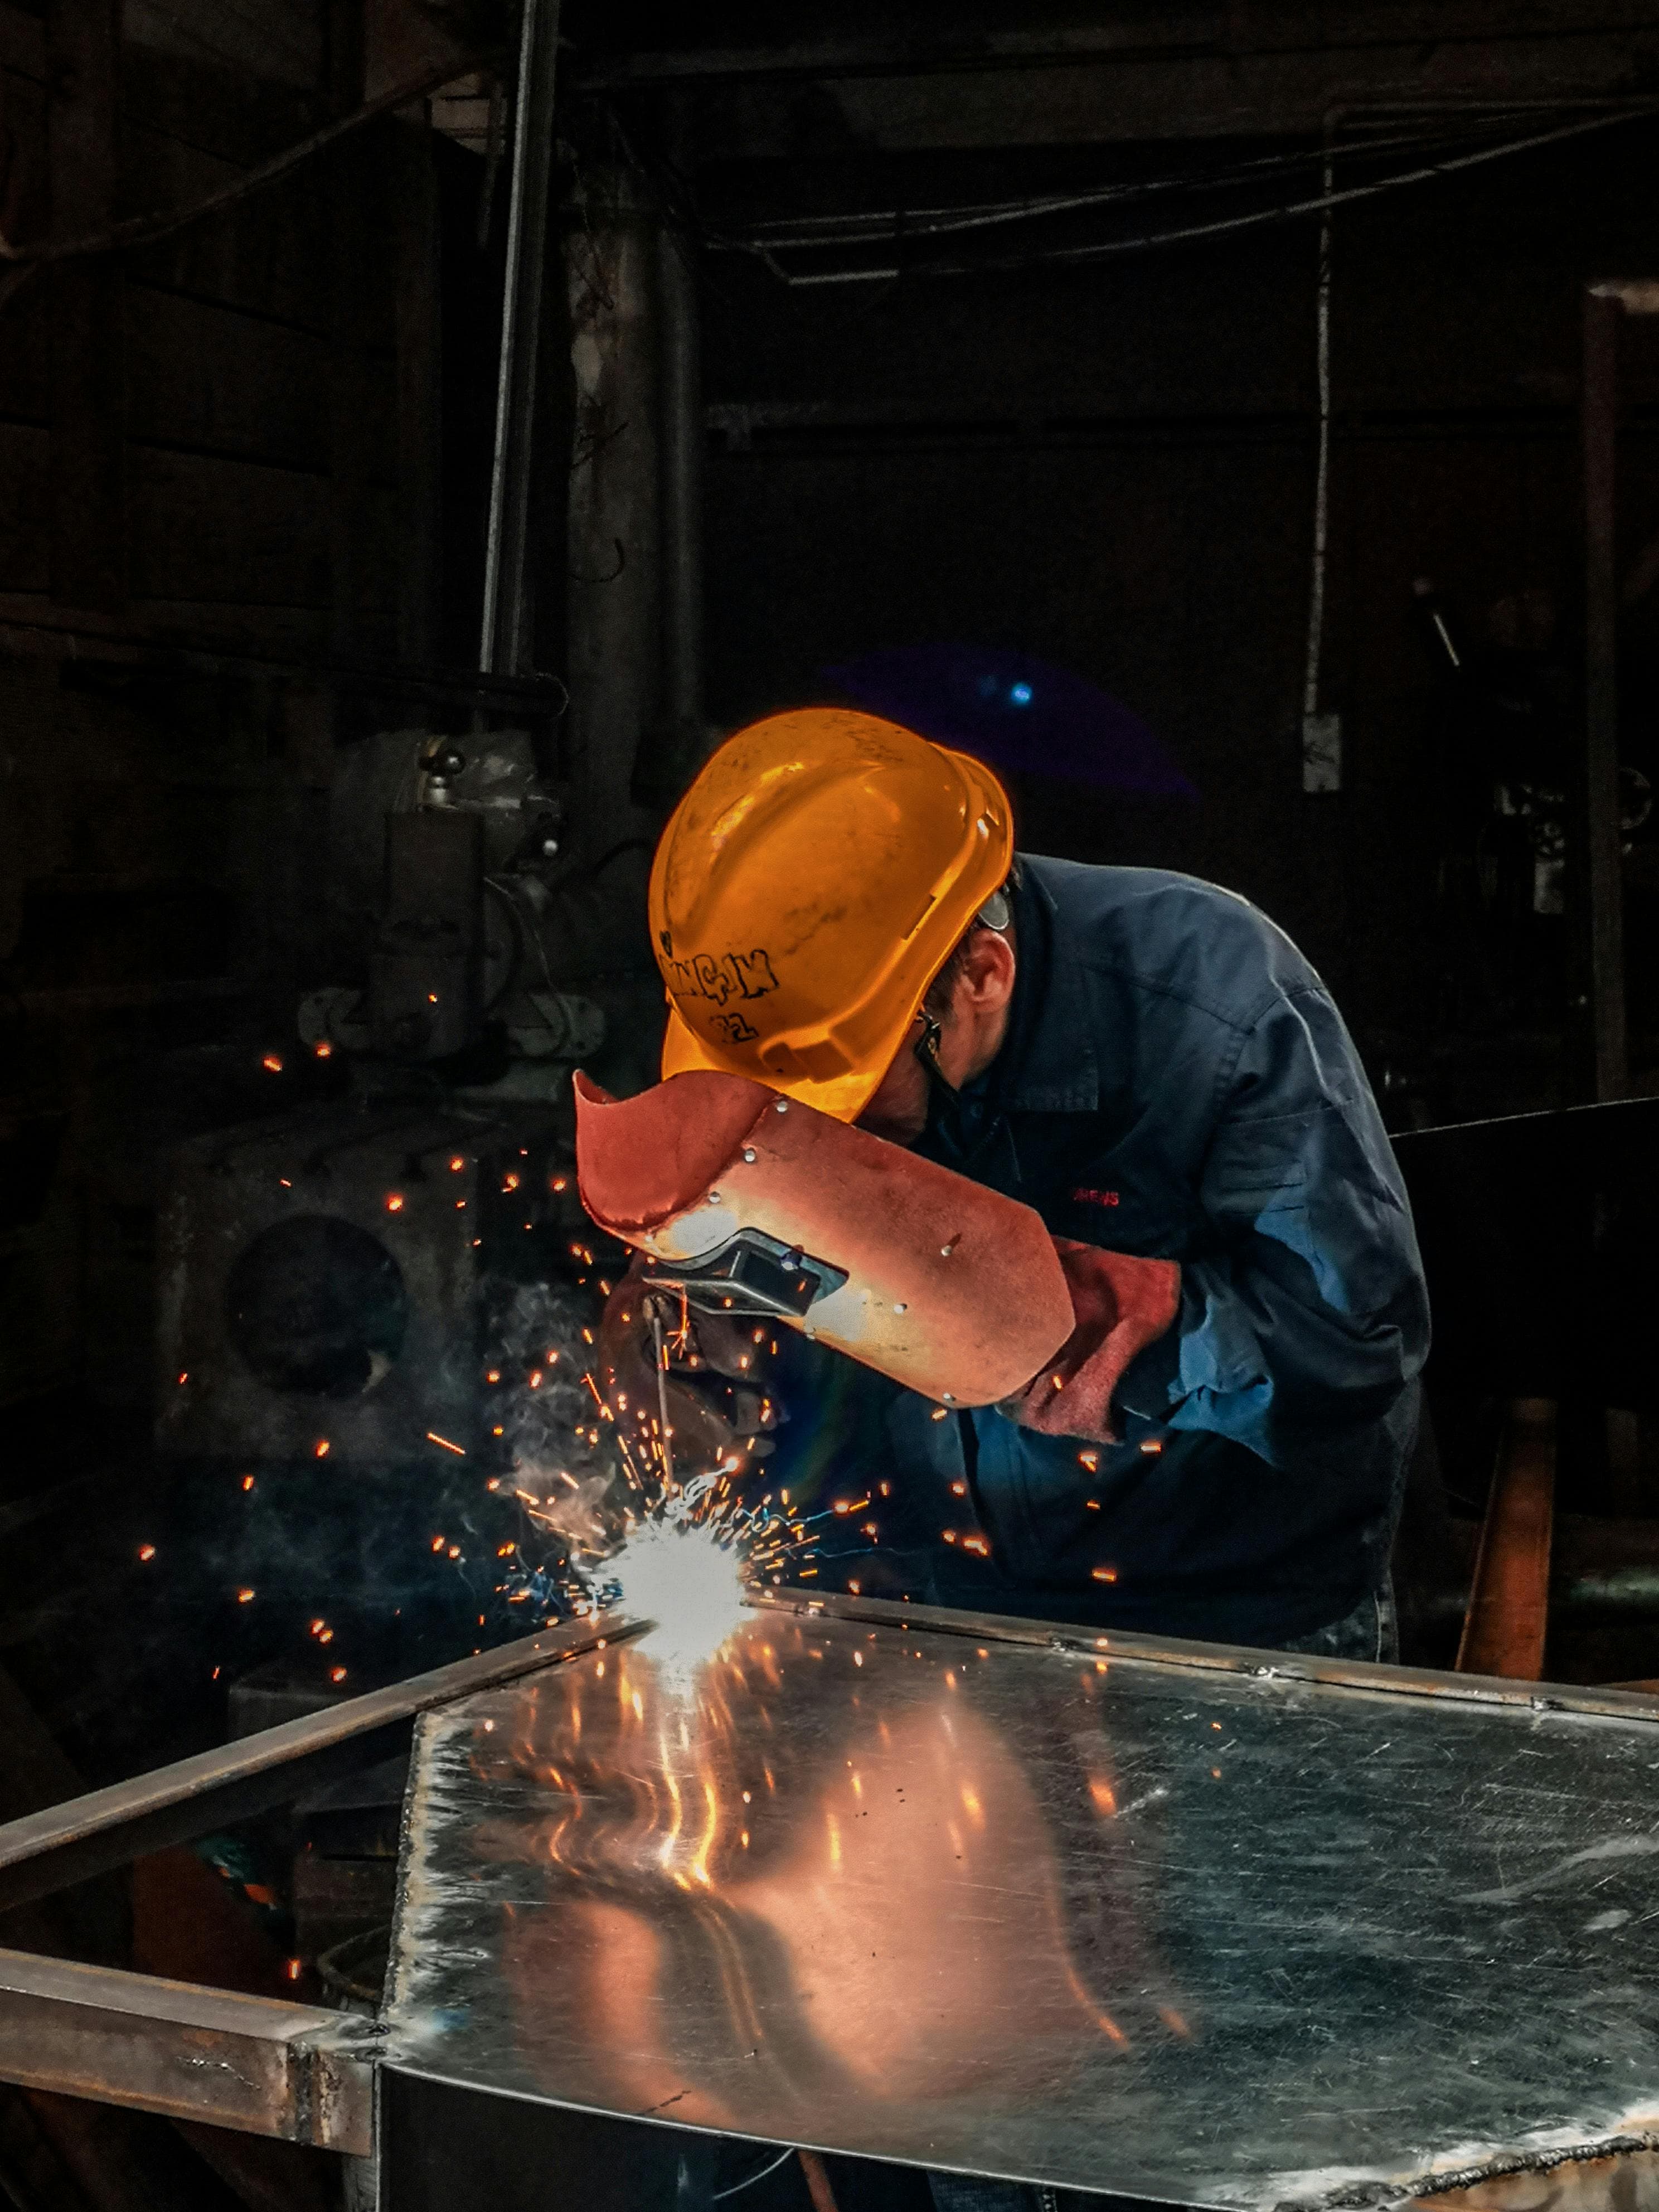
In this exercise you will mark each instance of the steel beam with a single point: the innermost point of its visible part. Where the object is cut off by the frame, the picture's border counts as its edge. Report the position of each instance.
(1600, 875)
(254, 2063)
(682, 437)
(1190, 72)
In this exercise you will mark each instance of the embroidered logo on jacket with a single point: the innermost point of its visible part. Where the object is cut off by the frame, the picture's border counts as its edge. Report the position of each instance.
(1094, 1198)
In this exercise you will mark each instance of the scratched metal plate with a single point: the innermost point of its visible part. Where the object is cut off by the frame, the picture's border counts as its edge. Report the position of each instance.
(1220, 1938)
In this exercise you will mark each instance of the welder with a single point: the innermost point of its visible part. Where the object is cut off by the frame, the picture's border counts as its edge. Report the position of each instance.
(1145, 1061)
(1149, 1063)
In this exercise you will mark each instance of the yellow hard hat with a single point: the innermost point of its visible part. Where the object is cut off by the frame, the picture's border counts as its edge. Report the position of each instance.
(809, 887)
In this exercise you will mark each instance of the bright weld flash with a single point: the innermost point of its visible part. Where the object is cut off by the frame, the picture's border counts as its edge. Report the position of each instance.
(687, 1582)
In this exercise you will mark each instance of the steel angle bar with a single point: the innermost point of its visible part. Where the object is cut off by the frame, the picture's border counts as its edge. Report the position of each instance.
(1612, 1701)
(254, 2063)
(46, 1852)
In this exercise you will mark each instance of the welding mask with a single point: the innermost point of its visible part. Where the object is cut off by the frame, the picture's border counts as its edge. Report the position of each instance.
(745, 1202)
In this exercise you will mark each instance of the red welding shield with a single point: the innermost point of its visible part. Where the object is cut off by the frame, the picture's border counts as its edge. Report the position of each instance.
(751, 1203)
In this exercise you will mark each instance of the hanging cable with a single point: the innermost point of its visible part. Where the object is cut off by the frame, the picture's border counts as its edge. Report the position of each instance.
(1218, 226)
(749, 2180)
(1322, 473)
(856, 228)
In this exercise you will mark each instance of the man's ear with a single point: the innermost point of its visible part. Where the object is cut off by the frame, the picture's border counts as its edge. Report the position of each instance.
(987, 981)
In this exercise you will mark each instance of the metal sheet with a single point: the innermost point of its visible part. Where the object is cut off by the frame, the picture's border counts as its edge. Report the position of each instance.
(1185, 1924)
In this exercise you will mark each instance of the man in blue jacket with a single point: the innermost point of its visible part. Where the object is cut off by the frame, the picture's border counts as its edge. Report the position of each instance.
(1150, 1064)
(1162, 1073)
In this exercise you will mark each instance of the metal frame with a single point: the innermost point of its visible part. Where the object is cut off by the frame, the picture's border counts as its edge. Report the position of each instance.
(305, 2074)
(258, 2064)
(1610, 1703)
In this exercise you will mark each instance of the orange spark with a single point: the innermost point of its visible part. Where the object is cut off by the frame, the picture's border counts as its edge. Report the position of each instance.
(394, 1202)
(433, 1437)
(245, 1597)
(319, 1449)
(146, 1551)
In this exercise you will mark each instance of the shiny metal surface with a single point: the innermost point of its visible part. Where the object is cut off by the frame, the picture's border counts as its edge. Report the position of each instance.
(1181, 1924)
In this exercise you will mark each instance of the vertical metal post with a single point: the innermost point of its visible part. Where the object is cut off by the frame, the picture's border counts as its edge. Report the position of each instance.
(504, 640)
(420, 422)
(682, 484)
(1601, 873)
(614, 517)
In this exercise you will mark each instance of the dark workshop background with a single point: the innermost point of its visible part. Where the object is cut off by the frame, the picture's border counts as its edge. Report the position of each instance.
(244, 483)
(264, 442)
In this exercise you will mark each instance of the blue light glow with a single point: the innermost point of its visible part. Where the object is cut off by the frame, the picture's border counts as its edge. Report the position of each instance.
(1020, 694)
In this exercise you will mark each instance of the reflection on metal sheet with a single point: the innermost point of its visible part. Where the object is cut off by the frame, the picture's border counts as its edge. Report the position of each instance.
(1218, 1938)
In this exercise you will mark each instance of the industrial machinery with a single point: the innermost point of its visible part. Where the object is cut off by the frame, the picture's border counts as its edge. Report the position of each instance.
(331, 1277)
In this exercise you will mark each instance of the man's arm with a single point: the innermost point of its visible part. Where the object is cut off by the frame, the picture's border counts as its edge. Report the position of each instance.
(1310, 1311)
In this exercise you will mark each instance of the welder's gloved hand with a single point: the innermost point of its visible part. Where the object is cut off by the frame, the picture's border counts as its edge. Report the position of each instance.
(1122, 1304)
(719, 1407)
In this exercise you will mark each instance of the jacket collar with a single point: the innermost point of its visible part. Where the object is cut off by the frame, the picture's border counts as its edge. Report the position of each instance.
(1048, 1063)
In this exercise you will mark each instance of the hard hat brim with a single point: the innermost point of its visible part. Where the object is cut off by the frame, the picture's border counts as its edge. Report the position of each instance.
(844, 1097)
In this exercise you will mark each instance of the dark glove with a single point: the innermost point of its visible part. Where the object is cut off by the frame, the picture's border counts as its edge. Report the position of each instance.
(1122, 1304)
(720, 1409)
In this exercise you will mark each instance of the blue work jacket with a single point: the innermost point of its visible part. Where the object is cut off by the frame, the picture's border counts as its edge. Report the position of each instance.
(1175, 1082)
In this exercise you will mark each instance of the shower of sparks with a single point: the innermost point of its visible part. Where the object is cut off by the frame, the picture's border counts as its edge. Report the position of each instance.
(572, 1496)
